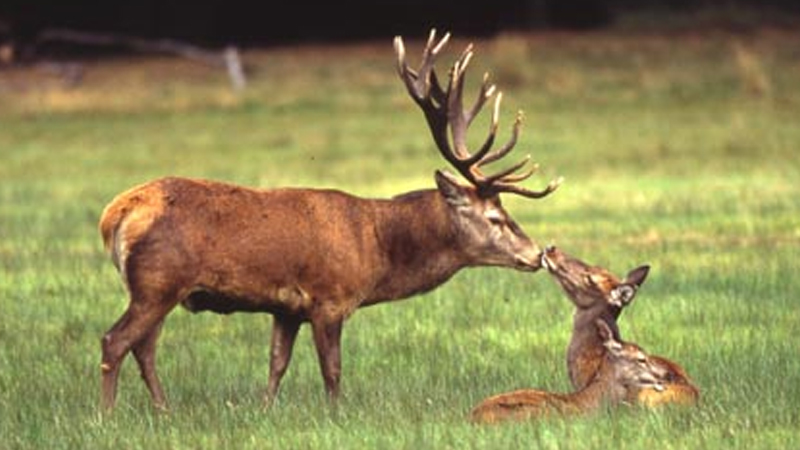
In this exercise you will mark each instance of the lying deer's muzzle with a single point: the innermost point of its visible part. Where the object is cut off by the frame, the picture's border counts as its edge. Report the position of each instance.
(546, 258)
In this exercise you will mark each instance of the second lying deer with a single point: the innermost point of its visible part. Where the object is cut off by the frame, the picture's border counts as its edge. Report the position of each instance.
(623, 371)
(600, 295)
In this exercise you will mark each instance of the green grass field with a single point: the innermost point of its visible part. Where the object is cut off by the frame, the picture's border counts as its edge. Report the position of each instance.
(681, 150)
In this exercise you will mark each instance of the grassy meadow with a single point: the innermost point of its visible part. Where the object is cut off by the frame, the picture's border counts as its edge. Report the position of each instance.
(681, 150)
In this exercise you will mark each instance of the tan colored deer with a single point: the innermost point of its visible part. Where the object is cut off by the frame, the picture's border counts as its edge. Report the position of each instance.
(623, 372)
(600, 295)
(308, 255)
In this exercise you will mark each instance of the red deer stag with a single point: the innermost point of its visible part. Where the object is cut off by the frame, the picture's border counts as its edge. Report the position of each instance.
(600, 295)
(309, 255)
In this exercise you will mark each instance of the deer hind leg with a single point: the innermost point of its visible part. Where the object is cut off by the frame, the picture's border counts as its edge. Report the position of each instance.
(145, 353)
(284, 332)
(327, 339)
(138, 327)
(110, 363)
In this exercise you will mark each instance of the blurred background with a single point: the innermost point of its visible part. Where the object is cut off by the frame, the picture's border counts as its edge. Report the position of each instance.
(674, 123)
(244, 22)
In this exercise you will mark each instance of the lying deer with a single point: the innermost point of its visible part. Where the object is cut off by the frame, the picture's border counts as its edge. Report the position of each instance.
(310, 255)
(599, 295)
(623, 371)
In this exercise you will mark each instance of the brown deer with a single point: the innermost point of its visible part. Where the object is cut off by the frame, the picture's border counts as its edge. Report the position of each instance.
(623, 372)
(310, 255)
(600, 295)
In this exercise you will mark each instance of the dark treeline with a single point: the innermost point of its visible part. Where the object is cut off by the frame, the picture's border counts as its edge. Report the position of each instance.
(264, 22)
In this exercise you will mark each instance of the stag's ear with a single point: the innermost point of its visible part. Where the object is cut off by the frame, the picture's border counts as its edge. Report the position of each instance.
(453, 192)
(637, 276)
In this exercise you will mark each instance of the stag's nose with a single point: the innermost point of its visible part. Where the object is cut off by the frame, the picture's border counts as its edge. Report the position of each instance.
(529, 259)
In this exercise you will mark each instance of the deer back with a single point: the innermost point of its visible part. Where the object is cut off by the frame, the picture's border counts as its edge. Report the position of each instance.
(278, 249)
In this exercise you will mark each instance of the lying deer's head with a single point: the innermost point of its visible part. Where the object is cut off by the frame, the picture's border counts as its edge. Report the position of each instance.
(490, 235)
(629, 366)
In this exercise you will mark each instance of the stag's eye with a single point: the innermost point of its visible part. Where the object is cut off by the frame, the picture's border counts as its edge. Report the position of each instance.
(495, 218)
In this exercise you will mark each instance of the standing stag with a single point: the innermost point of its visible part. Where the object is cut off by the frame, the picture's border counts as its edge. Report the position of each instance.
(309, 255)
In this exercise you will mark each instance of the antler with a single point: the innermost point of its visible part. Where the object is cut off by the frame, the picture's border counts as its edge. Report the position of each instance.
(444, 109)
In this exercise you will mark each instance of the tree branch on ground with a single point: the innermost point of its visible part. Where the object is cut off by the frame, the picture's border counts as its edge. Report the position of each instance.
(228, 58)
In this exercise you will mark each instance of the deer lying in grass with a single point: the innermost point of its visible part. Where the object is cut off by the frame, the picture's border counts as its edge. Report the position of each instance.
(599, 295)
(308, 255)
(623, 372)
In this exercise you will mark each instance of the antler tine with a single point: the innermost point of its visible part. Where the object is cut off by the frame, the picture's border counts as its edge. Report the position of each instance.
(477, 160)
(422, 81)
(435, 49)
(424, 88)
(506, 175)
(460, 120)
(502, 181)
(512, 141)
(408, 75)
(487, 91)
(455, 108)
(521, 176)
(519, 190)
(427, 75)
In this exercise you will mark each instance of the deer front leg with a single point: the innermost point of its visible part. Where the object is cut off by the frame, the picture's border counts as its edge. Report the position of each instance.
(327, 339)
(284, 332)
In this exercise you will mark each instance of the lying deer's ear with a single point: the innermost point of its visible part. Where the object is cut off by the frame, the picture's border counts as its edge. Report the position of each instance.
(609, 341)
(637, 276)
(604, 330)
(453, 192)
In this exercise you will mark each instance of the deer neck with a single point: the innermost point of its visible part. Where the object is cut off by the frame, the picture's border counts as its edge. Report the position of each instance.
(418, 245)
(586, 352)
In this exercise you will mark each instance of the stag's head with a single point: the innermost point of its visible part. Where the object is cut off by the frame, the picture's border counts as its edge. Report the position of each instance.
(490, 235)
